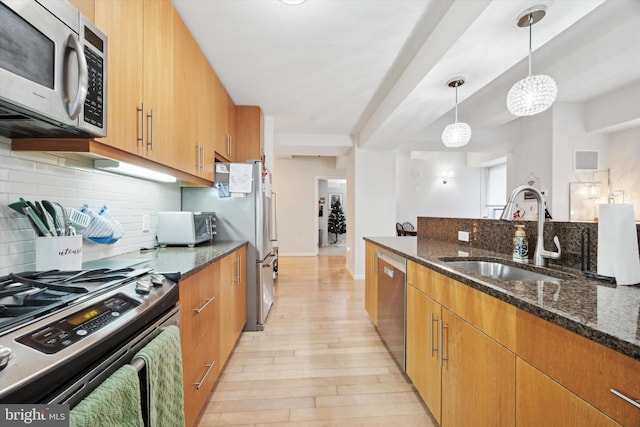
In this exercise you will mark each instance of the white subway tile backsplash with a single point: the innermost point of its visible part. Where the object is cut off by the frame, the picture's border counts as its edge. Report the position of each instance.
(73, 182)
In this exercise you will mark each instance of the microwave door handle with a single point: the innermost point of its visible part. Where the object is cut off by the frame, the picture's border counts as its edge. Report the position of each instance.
(74, 107)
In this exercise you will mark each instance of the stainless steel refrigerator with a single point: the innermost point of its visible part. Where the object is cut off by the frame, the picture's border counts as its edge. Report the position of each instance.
(248, 214)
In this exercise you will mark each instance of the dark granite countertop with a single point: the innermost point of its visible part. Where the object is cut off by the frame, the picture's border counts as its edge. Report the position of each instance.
(171, 259)
(598, 310)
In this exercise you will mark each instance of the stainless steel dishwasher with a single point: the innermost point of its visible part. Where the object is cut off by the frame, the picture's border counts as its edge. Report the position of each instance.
(392, 303)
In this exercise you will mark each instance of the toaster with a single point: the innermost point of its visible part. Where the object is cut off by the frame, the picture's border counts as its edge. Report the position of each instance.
(185, 228)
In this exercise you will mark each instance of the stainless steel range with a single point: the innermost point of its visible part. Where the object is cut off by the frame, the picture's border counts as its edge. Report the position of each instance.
(62, 332)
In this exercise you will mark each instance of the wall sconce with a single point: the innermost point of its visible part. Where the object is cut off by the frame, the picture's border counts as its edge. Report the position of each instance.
(446, 176)
(131, 170)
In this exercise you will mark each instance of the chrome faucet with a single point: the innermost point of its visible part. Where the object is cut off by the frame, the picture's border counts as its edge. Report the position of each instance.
(540, 256)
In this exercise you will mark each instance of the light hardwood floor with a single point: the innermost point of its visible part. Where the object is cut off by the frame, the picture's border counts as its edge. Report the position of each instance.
(319, 361)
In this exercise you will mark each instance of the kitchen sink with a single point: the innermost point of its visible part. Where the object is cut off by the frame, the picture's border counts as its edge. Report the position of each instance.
(497, 270)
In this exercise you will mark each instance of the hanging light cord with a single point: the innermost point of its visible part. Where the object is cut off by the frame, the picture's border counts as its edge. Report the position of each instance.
(456, 121)
(530, 25)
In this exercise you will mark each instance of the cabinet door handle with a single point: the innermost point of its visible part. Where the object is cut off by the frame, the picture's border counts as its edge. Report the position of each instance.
(150, 116)
(635, 403)
(141, 123)
(239, 269)
(206, 374)
(198, 156)
(208, 301)
(433, 319)
(442, 328)
(202, 157)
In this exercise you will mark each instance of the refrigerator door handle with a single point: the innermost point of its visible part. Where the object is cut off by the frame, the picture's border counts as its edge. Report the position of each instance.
(275, 215)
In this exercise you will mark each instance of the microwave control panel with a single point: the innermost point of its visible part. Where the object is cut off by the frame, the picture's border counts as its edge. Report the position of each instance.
(94, 108)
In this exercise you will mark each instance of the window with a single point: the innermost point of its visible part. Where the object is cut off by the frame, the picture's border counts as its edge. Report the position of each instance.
(496, 190)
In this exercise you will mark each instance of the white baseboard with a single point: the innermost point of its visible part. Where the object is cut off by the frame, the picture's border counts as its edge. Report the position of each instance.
(297, 254)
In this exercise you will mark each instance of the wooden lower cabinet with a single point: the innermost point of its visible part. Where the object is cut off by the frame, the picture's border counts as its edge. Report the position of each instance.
(474, 383)
(200, 372)
(423, 357)
(505, 367)
(233, 297)
(587, 369)
(478, 377)
(213, 314)
(200, 312)
(540, 401)
(371, 281)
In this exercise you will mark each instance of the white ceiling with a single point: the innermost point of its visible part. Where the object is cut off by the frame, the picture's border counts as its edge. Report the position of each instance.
(334, 71)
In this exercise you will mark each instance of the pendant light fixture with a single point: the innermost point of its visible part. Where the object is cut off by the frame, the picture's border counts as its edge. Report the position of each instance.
(457, 133)
(533, 94)
(293, 2)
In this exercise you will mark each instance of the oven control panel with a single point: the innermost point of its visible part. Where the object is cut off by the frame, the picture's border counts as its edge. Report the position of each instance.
(58, 335)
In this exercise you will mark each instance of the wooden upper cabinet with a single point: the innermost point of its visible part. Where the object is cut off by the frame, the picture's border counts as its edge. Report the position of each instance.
(193, 108)
(86, 7)
(122, 21)
(185, 51)
(140, 76)
(221, 112)
(250, 131)
(158, 80)
(232, 130)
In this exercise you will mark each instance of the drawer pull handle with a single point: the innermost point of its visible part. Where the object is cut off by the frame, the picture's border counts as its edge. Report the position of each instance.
(209, 367)
(635, 403)
(209, 301)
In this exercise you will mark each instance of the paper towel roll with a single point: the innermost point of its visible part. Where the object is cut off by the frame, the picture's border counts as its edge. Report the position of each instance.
(618, 244)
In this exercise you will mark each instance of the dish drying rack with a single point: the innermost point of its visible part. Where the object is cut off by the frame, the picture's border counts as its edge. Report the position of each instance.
(97, 227)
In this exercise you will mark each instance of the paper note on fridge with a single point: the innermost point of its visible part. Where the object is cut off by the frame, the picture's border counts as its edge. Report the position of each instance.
(221, 168)
(240, 176)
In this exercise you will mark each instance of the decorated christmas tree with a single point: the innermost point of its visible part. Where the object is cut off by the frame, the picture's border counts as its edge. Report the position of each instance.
(336, 223)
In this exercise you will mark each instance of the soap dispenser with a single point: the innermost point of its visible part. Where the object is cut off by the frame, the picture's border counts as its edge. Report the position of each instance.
(520, 245)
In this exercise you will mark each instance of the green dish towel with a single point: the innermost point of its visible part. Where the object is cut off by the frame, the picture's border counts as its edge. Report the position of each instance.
(114, 403)
(163, 359)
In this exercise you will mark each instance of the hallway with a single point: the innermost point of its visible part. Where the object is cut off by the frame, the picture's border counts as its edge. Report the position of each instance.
(319, 361)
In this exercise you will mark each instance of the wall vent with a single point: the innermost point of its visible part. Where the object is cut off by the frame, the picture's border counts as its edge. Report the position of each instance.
(585, 160)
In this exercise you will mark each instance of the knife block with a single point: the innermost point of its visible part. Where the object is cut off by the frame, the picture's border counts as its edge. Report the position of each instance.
(59, 253)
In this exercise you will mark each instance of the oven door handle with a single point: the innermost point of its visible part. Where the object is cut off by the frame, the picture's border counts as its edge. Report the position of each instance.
(85, 385)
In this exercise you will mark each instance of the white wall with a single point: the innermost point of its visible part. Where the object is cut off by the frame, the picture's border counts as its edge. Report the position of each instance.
(531, 157)
(38, 176)
(421, 192)
(295, 180)
(569, 134)
(371, 178)
(624, 159)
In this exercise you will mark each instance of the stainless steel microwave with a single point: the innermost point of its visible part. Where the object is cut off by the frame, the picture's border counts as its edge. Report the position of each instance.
(53, 69)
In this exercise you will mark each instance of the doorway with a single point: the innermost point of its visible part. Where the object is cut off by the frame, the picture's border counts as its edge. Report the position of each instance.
(331, 216)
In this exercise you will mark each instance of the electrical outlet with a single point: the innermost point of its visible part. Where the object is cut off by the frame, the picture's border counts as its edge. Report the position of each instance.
(463, 236)
(145, 223)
